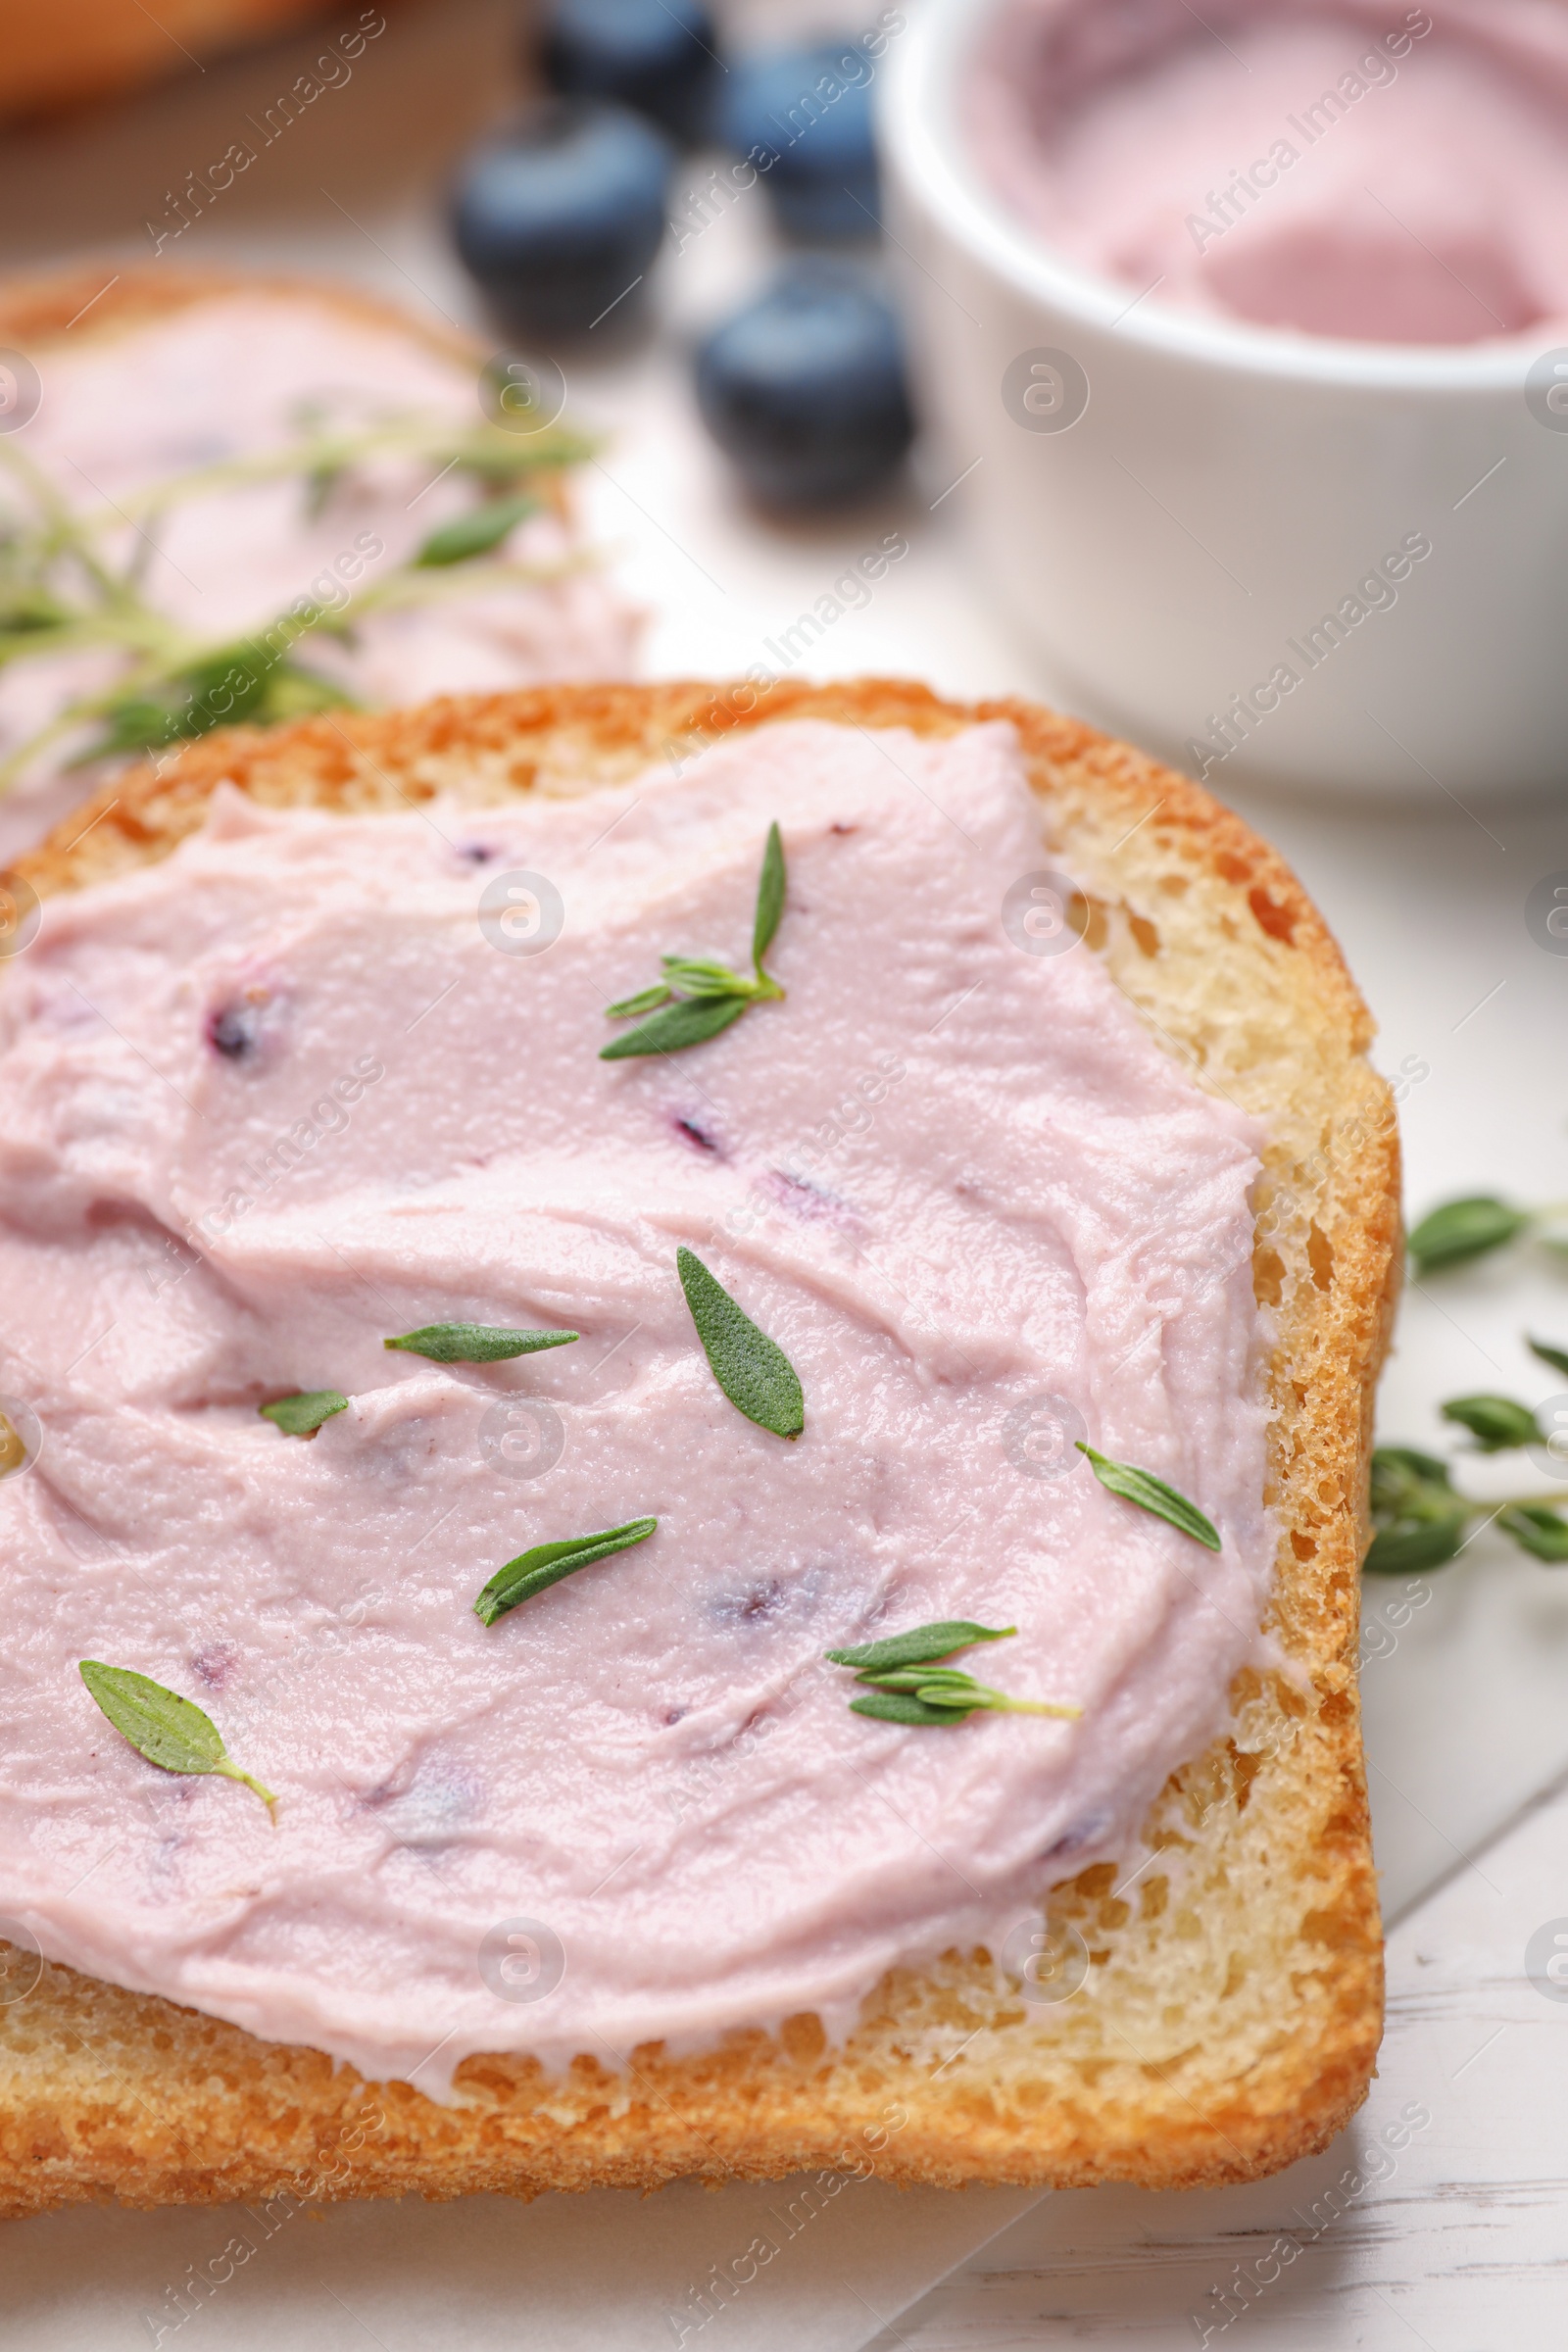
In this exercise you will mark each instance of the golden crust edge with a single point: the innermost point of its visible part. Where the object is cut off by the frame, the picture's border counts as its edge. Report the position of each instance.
(754, 2109)
(46, 306)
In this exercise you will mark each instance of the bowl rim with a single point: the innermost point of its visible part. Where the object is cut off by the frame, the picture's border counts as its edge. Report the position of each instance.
(922, 143)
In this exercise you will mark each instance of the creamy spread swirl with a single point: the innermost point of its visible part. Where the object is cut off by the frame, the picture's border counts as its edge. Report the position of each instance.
(291, 1092)
(1350, 167)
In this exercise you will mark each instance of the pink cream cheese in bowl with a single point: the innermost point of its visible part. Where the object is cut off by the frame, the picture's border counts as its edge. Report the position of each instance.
(292, 1092)
(1343, 168)
(1196, 403)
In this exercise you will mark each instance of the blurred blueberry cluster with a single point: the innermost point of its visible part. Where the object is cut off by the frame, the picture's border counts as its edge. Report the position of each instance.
(560, 218)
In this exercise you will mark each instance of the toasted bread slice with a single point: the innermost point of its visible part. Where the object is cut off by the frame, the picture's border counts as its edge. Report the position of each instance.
(1234, 2004)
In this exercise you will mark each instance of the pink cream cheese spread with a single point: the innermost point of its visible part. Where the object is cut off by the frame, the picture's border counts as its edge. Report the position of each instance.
(284, 1094)
(235, 377)
(1348, 167)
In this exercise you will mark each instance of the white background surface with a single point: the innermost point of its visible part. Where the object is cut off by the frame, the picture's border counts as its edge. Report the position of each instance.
(1465, 1705)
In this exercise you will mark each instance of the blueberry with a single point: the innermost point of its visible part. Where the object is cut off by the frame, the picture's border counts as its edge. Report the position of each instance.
(235, 1031)
(804, 389)
(657, 56)
(562, 214)
(811, 111)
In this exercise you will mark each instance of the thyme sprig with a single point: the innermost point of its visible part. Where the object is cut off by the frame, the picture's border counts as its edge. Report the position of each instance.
(1421, 1521)
(61, 592)
(903, 1682)
(1419, 1517)
(698, 996)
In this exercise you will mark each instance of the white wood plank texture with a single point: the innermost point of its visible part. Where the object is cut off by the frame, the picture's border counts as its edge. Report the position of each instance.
(1450, 2233)
(811, 2263)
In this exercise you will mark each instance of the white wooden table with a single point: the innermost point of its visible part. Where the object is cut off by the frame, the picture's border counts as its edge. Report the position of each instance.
(1457, 2239)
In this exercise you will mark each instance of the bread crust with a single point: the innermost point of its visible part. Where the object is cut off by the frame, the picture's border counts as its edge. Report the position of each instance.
(36, 311)
(1236, 2002)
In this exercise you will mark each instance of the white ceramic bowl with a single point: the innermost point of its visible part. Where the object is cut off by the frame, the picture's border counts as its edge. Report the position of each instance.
(1174, 505)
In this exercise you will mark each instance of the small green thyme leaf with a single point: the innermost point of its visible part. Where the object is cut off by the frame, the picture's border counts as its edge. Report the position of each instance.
(1152, 1494)
(1419, 1518)
(922, 1679)
(221, 689)
(647, 999)
(295, 692)
(967, 1692)
(710, 996)
(896, 1707)
(753, 1372)
(477, 532)
(701, 976)
(1412, 1550)
(769, 897)
(1557, 1358)
(24, 610)
(1497, 1423)
(1459, 1230)
(919, 1645)
(476, 1342)
(232, 678)
(951, 1687)
(302, 1416)
(1541, 1533)
(547, 1563)
(319, 484)
(1400, 1470)
(171, 1731)
(676, 1027)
